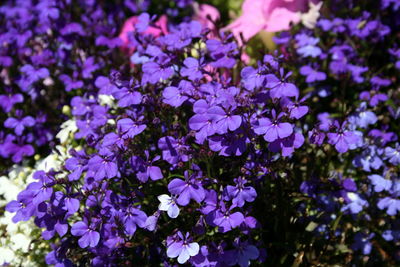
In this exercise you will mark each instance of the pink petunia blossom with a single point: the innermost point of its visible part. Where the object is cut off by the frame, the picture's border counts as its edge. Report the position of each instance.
(267, 15)
(206, 15)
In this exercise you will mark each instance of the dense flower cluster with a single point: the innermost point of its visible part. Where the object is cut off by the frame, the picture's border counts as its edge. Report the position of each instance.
(174, 149)
(181, 127)
(340, 62)
(42, 50)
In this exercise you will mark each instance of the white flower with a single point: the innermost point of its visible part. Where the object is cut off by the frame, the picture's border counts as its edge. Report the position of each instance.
(6, 255)
(310, 18)
(107, 100)
(67, 127)
(20, 241)
(169, 205)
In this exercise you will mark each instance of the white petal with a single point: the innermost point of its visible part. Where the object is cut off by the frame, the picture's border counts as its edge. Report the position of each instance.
(173, 211)
(183, 256)
(165, 202)
(193, 249)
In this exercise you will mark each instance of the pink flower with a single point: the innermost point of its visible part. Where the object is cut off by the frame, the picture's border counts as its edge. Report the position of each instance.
(206, 15)
(267, 15)
(129, 26)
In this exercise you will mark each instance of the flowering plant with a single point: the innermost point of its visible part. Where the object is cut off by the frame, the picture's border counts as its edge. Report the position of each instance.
(176, 148)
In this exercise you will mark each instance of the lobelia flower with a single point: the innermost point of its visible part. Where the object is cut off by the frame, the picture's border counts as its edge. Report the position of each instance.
(19, 124)
(69, 83)
(159, 70)
(145, 169)
(280, 87)
(174, 95)
(242, 254)
(222, 52)
(296, 109)
(363, 117)
(393, 154)
(102, 165)
(169, 205)
(132, 218)
(370, 158)
(129, 128)
(391, 204)
(186, 190)
(363, 242)
(192, 68)
(312, 75)
(380, 183)
(7, 102)
(273, 129)
(23, 206)
(77, 164)
(225, 220)
(355, 203)
(182, 247)
(343, 140)
(240, 193)
(89, 237)
(254, 78)
(173, 150)
(287, 145)
(127, 96)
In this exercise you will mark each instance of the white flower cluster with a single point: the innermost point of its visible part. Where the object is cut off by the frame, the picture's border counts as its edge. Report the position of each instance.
(16, 239)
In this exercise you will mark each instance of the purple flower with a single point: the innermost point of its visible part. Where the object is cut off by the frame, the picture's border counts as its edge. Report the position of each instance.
(182, 248)
(225, 220)
(89, 236)
(69, 83)
(363, 242)
(393, 154)
(354, 203)
(127, 96)
(156, 71)
(343, 139)
(186, 190)
(192, 69)
(312, 75)
(253, 78)
(391, 204)
(143, 22)
(129, 128)
(19, 124)
(145, 169)
(173, 150)
(242, 254)
(132, 218)
(280, 87)
(273, 129)
(7, 102)
(240, 193)
(102, 165)
(224, 120)
(174, 96)
(380, 183)
(296, 109)
(222, 53)
(23, 206)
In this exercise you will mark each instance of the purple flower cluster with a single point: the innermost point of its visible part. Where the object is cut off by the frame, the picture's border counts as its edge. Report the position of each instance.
(186, 154)
(355, 132)
(47, 56)
(181, 127)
